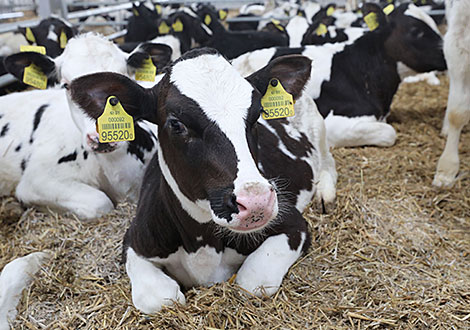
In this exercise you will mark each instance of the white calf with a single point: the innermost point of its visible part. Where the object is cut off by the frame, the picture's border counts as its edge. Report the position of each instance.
(51, 155)
(457, 54)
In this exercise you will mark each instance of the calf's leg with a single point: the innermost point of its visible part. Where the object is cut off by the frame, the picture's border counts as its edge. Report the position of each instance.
(263, 270)
(151, 287)
(358, 131)
(83, 200)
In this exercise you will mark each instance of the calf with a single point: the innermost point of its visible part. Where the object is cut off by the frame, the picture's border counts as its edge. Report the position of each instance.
(207, 209)
(51, 155)
(353, 84)
(49, 33)
(234, 43)
(457, 53)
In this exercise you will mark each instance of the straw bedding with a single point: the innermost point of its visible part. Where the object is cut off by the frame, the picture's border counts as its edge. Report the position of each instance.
(394, 254)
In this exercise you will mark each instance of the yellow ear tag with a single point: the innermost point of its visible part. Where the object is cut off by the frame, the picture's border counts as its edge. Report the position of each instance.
(321, 30)
(115, 124)
(222, 14)
(330, 11)
(36, 49)
(277, 24)
(158, 8)
(387, 10)
(423, 2)
(135, 12)
(277, 103)
(163, 28)
(147, 71)
(34, 76)
(207, 19)
(29, 35)
(371, 21)
(177, 25)
(63, 39)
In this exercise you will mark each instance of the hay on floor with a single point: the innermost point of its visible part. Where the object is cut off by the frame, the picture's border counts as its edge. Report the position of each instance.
(394, 254)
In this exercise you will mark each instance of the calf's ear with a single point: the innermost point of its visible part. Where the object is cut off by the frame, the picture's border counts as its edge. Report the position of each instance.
(91, 92)
(16, 63)
(159, 53)
(293, 71)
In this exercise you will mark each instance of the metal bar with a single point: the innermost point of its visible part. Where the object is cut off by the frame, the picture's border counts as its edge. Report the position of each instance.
(7, 79)
(11, 15)
(7, 27)
(116, 35)
(97, 11)
(255, 19)
(108, 23)
(98, 3)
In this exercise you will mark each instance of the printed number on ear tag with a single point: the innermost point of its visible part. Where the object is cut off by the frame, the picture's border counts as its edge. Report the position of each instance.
(36, 49)
(34, 76)
(147, 71)
(277, 103)
(63, 39)
(371, 21)
(115, 124)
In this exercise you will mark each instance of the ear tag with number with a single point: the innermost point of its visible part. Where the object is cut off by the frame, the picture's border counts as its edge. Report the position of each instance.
(177, 25)
(277, 103)
(135, 12)
(147, 71)
(371, 21)
(30, 35)
(321, 30)
(330, 11)
(36, 49)
(158, 8)
(115, 124)
(63, 39)
(277, 24)
(222, 14)
(163, 28)
(34, 76)
(207, 19)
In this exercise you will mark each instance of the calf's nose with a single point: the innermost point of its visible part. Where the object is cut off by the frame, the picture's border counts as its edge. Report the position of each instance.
(257, 205)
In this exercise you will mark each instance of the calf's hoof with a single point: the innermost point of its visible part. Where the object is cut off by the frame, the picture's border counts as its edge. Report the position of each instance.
(443, 180)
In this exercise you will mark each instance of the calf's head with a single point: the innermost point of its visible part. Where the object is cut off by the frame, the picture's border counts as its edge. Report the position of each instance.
(207, 131)
(83, 55)
(415, 40)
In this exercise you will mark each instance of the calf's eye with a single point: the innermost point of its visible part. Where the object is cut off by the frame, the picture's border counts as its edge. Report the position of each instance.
(177, 127)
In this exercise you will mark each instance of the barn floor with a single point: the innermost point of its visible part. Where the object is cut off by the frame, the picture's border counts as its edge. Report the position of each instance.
(394, 254)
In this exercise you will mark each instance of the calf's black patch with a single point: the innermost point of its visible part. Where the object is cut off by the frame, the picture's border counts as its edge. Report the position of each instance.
(37, 119)
(69, 158)
(4, 130)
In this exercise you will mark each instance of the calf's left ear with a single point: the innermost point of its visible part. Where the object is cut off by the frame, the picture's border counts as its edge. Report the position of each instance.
(91, 92)
(293, 71)
(159, 53)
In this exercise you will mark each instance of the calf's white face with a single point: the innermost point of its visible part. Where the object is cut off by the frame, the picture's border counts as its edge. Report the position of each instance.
(207, 116)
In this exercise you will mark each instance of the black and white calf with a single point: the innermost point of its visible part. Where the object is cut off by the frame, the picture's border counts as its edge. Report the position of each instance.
(457, 53)
(353, 84)
(51, 156)
(207, 210)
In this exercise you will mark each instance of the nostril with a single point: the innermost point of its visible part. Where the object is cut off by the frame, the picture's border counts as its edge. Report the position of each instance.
(241, 207)
(232, 203)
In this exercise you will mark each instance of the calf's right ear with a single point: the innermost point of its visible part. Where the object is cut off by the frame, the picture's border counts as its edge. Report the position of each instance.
(16, 63)
(91, 92)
